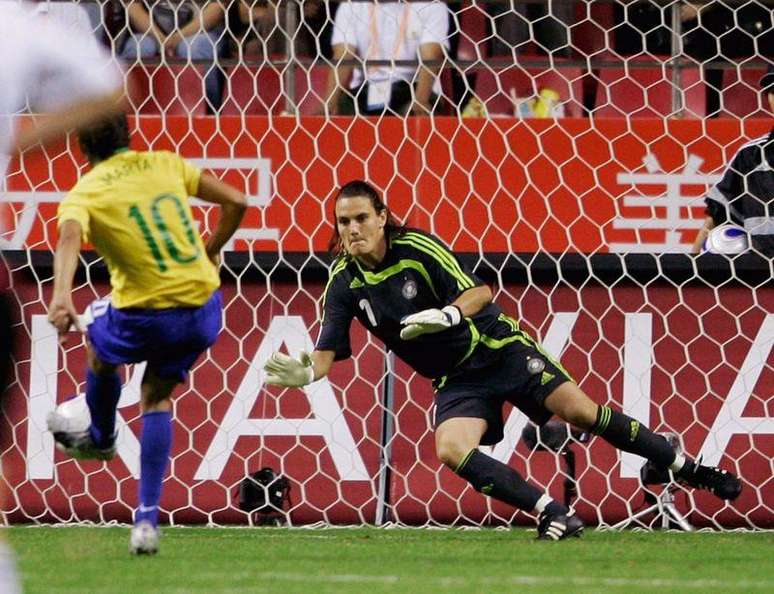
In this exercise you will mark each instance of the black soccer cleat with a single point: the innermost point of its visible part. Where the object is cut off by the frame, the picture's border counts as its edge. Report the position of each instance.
(720, 483)
(558, 527)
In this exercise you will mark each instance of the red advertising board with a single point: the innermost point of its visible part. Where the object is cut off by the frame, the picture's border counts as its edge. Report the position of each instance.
(693, 360)
(501, 185)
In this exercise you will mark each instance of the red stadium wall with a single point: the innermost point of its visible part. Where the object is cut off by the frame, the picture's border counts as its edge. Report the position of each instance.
(700, 340)
(582, 185)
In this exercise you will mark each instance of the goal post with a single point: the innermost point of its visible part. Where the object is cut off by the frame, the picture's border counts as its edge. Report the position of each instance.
(582, 225)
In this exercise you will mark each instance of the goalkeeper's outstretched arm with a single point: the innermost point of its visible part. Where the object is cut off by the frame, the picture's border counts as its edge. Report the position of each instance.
(473, 300)
(283, 370)
(430, 321)
(321, 363)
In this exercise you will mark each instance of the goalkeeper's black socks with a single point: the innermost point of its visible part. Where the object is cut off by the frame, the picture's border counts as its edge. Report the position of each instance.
(102, 394)
(629, 435)
(498, 480)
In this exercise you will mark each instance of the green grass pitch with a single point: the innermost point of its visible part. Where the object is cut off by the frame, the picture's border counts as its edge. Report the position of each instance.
(372, 561)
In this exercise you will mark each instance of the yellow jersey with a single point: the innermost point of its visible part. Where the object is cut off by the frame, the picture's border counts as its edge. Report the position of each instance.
(134, 209)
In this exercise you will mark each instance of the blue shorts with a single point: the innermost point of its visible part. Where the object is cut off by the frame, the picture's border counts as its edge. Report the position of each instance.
(170, 340)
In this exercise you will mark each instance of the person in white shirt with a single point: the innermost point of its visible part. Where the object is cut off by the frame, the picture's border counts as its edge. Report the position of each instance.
(184, 29)
(387, 31)
(45, 66)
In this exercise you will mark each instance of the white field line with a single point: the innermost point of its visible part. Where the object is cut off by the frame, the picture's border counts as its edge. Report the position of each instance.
(523, 580)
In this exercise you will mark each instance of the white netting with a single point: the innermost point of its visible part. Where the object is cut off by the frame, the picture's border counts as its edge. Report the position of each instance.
(567, 160)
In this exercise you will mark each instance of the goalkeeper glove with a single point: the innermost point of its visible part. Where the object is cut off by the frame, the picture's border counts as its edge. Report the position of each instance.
(282, 370)
(430, 321)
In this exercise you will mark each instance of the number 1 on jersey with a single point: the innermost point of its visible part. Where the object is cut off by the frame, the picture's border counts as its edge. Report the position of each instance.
(366, 307)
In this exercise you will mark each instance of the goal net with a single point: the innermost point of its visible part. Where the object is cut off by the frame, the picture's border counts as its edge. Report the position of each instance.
(566, 162)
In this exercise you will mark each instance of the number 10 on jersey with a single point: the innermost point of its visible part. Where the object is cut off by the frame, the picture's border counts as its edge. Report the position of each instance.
(162, 227)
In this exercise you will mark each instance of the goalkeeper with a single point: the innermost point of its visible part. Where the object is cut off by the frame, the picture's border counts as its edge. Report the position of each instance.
(165, 307)
(410, 291)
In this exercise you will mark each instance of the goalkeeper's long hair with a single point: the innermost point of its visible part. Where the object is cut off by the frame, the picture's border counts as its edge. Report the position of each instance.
(361, 189)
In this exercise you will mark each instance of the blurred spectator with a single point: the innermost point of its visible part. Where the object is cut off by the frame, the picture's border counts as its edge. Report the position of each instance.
(714, 34)
(514, 25)
(179, 28)
(315, 28)
(463, 80)
(372, 31)
(717, 33)
(642, 26)
(260, 27)
(257, 27)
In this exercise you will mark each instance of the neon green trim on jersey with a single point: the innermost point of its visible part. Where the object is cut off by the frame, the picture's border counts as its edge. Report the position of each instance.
(536, 345)
(510, 321)
(374, 278)
(561, 368)
(444, 258)
(442, 255)
(475, 338)
(356, 284)
(498, 343)
(337, 267)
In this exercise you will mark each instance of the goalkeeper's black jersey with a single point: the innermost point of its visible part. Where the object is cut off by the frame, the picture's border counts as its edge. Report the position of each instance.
(417, 273)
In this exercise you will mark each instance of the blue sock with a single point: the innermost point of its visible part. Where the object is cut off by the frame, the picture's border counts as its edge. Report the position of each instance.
(155, 445)
(102, 394)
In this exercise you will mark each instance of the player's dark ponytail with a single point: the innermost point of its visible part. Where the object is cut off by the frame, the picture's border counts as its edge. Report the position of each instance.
(362, 189)
(102, 139)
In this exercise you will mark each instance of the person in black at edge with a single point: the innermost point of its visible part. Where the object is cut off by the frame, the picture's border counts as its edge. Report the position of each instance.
(410, 291)
(6, 331)
(745, 194)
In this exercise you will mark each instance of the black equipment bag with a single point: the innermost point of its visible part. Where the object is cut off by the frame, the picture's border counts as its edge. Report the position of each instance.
(264, 492)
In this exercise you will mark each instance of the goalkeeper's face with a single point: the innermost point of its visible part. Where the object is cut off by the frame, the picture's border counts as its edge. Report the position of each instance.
(361, 229)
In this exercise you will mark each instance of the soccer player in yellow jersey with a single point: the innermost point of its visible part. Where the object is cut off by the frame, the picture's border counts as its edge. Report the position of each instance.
(165, 306)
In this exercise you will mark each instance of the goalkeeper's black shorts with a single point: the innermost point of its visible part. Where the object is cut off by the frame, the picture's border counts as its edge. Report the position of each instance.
(522, 373)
